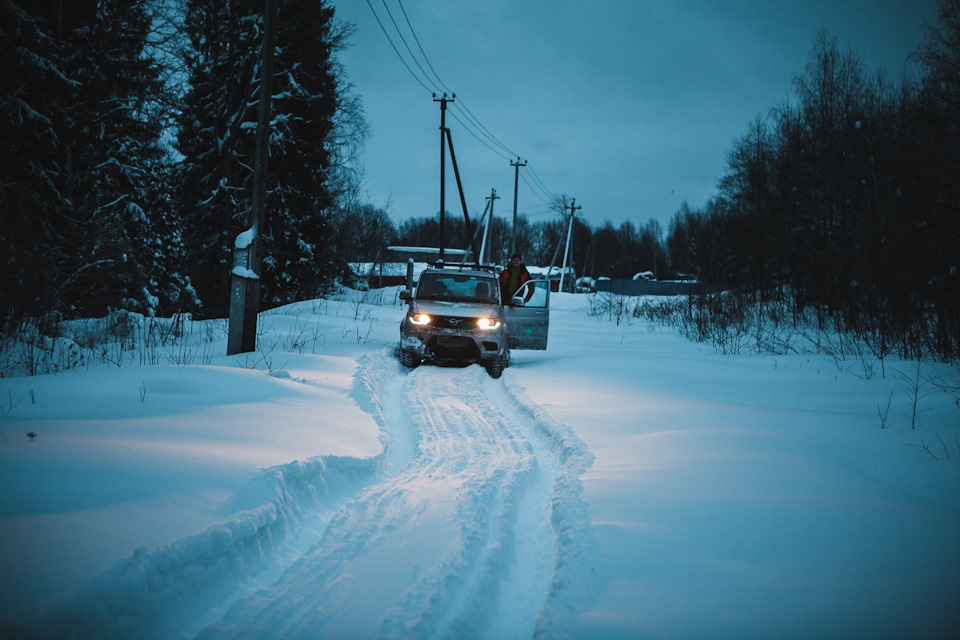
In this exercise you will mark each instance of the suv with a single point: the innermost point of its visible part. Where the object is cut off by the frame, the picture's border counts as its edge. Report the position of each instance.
(456, 315)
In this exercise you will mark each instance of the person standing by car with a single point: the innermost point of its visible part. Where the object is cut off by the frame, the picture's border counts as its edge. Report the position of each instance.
(513, 276)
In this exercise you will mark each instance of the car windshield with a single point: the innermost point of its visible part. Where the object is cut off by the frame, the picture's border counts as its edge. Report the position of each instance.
(457, 287)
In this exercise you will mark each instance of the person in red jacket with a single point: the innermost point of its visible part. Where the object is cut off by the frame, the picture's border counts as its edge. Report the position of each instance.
(513, 277)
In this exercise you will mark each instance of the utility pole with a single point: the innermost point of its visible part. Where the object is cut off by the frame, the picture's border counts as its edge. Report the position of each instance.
(488, 230)
(566, 249)
(443, 100)
(248, 247)
(516, 179)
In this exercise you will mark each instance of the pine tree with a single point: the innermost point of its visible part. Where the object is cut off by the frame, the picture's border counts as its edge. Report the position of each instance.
(314, 122)
(79, 144)
(114, 145)
(214, 175)
(31, 191)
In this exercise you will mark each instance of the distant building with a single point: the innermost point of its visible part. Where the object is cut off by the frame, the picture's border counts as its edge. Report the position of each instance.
(429, 254)
(393, 271)
(553, 274)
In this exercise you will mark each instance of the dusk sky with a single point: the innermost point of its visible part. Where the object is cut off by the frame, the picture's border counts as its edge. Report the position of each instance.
(631, 107)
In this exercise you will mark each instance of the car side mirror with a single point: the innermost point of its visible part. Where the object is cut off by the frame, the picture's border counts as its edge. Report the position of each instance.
(405, 294)
(517, 301)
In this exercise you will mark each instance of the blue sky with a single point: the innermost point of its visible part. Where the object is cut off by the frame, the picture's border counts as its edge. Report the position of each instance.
(629, 107)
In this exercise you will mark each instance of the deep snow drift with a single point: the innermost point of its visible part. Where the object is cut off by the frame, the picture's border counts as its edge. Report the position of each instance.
(624, 483)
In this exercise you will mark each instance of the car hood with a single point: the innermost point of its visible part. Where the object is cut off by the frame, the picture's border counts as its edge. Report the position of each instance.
(456, 309)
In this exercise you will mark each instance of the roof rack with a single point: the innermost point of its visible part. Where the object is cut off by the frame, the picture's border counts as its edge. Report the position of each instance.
(462, 266)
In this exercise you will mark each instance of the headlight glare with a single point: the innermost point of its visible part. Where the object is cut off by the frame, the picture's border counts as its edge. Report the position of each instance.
(486, 324)
(420, 318)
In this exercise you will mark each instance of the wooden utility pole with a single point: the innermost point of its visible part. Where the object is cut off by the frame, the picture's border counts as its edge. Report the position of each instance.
(248, 248)
(516, 179)
(443, 100)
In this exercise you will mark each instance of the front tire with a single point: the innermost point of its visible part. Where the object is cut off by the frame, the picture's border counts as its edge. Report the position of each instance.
(408, 360)
(496, 366)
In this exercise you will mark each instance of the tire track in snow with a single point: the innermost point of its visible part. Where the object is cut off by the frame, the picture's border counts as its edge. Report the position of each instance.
(478, 532)
(573, 580)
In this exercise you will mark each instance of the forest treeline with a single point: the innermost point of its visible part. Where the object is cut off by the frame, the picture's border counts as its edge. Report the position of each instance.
(845, 202)
(126, 152)
(126, 156)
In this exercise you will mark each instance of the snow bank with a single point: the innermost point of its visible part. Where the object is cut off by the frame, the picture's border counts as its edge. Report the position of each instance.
(623, 483)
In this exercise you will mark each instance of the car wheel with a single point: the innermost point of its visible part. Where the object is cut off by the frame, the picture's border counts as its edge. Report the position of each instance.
(496, 366)
(408, 360)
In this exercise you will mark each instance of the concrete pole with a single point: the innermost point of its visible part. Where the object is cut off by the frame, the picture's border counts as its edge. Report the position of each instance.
(566, 248)
(516, 180)
(443, 100)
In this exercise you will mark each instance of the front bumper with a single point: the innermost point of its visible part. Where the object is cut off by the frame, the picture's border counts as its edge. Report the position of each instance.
(448, 345)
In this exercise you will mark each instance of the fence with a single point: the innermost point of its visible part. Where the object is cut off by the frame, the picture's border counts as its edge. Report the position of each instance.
(648, 287)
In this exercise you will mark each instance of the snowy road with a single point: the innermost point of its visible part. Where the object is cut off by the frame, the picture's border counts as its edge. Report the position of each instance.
(341, 496)
(476, 511)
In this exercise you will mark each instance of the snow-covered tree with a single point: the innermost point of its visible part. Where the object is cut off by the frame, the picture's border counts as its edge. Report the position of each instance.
(31, 192)
(80, 143)
(315, 124)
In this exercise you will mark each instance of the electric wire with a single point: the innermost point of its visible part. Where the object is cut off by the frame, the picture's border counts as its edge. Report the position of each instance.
(466, 118)
(458, 105)
(410, 51)
(486, 132)
(536, 210)
(479, 139)
(422, 52)
(395, 50)
(541, 195)
(472, 124)
(532, 179)
(536, 178)
(480, 129)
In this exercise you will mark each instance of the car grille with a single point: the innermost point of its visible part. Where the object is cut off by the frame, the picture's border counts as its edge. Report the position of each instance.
(453, 322)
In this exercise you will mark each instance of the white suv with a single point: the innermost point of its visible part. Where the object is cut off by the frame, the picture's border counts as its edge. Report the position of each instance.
(456, 315)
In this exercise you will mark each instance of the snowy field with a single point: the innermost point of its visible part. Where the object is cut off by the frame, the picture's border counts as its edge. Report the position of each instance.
(625, 483)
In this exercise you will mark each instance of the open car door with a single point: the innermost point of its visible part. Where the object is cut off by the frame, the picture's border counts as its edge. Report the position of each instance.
(527, 323)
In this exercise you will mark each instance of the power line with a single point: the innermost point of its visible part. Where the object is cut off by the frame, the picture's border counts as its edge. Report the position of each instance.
(536, 178)
(535, 190)
(531, 179)
(468, 121)
(395, 50)
(410, 51)
(488, 134)
(535, 211)
(460, 106)
(479, 139)
(422, 52)
(472, 124)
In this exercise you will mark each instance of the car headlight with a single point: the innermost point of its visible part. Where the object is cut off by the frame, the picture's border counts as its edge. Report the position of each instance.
(487, 324)
(419, 318)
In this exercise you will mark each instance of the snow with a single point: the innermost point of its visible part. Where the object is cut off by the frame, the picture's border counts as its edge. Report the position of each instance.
(245, 239)
(244, 272)
(624, 483)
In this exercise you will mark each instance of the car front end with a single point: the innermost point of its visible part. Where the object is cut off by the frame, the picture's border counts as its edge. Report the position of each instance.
(447, 332)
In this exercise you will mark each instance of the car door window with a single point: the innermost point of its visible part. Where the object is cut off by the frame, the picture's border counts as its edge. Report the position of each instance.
(535, 293)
